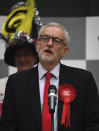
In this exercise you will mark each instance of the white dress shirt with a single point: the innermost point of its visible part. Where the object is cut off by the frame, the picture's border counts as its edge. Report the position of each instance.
(54, 80)
(3, 82)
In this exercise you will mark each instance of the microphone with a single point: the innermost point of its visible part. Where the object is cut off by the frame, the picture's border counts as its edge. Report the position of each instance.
(52, 96)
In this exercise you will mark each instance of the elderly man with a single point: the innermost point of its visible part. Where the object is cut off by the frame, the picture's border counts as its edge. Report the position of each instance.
(25, 104)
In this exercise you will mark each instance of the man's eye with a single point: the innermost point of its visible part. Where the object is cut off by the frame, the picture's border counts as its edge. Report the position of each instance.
(45, 38)
(57, 40)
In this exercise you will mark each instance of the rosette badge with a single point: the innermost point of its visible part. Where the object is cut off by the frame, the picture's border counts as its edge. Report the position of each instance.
(67, 94)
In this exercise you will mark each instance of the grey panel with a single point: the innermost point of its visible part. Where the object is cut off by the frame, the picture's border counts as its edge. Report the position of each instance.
(3, 69)
(93, 66)
(76, 28)
(92, 41)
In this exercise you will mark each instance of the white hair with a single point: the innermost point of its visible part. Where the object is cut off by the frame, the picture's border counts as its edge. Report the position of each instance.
(66, 34)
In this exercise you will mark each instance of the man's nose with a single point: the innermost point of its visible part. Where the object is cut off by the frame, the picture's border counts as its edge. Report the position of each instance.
(50, 42)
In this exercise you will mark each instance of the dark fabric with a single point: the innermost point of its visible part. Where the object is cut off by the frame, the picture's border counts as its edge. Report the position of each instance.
(22, 109)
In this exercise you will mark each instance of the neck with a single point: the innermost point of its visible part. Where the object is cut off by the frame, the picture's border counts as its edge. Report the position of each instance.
(48, 66)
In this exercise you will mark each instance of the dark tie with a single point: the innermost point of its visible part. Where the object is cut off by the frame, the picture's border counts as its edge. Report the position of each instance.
(46, 116)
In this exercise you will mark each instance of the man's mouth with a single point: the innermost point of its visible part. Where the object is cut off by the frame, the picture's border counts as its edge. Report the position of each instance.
(48, 51)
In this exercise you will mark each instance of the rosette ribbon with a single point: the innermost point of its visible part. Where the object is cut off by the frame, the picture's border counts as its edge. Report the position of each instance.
(67, 93)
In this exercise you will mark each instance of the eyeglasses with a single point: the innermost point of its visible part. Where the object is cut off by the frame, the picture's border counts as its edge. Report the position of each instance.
(55, 40)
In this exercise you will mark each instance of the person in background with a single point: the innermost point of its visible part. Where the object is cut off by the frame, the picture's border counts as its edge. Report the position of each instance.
(25, 105)
(20, 31)
(22, 52)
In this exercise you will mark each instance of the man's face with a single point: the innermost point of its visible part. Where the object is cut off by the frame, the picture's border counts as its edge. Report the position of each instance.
(24, 59)
(49, 51)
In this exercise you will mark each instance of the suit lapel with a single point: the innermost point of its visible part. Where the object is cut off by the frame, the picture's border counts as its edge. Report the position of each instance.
(64, 77)
(35, 95)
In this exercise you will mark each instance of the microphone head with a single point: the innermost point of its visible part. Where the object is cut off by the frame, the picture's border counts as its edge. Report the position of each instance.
(52, 96)
(52, 89)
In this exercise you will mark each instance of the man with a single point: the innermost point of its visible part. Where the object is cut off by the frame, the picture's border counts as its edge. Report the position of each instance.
(77, 107)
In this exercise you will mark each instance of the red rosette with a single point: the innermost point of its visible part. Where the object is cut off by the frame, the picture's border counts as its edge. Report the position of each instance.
(67, 93)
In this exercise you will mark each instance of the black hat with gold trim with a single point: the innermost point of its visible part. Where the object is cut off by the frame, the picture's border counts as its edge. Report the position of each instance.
(20, 29)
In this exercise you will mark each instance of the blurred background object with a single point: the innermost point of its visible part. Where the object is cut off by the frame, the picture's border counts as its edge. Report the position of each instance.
(59, 8)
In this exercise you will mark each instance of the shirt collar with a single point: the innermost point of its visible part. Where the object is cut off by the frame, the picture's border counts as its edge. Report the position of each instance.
(54, 71)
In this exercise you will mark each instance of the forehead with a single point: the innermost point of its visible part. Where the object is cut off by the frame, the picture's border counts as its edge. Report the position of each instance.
(53, 31)
(24, 49)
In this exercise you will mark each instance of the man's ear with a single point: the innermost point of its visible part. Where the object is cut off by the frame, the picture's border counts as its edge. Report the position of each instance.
(65, 50)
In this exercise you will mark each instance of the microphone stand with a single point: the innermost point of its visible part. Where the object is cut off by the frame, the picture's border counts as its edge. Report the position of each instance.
(52, 91)
(52, 121)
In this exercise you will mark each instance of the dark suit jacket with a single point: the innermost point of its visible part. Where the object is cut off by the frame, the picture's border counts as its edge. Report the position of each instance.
(22, 110)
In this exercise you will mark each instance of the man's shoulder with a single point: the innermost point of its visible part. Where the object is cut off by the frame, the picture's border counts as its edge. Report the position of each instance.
(76, 74)
(22, 79)
(24, 74)
(75, 70)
